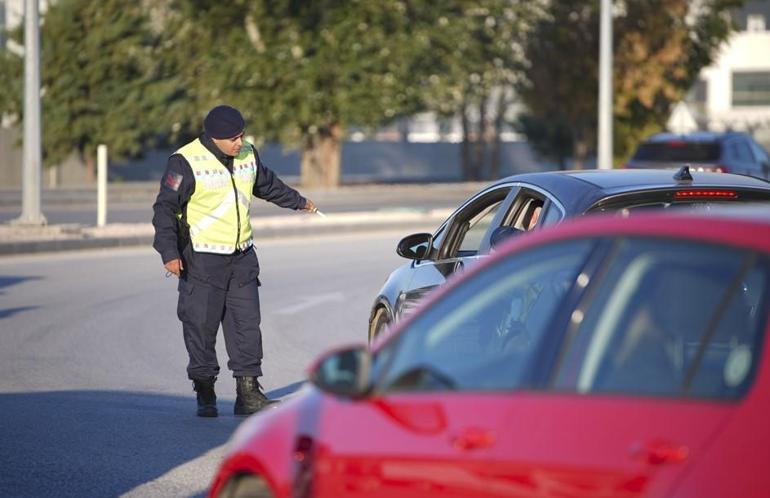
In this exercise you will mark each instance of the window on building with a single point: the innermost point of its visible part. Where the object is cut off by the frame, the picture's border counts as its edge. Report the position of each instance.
(751, 88)
(696, 97)
(697, 93)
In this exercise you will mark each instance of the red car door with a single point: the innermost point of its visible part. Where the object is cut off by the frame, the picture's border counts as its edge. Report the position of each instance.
(512, 445)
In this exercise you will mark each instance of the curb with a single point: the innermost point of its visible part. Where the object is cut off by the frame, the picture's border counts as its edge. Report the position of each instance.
(71, 238)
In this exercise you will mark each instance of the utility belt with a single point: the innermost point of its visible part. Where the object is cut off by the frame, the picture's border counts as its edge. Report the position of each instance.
(221, 249)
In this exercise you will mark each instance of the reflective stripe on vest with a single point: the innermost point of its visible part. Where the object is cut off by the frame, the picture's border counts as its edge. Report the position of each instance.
(218, 211)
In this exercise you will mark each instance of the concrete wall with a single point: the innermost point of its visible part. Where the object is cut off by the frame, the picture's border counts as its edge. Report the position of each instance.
(10, 157)
(70, 173)
(362, 162)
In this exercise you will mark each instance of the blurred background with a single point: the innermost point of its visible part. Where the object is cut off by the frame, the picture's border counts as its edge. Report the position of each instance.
(378, 91)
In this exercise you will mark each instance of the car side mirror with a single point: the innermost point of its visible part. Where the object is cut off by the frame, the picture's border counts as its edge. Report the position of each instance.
(415, 246)
(501, 234)
(343, 372)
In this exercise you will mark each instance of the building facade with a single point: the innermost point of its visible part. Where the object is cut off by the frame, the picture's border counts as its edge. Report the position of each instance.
(734, 92)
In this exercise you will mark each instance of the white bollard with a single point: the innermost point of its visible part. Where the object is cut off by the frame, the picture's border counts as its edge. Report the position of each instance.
(101, 185)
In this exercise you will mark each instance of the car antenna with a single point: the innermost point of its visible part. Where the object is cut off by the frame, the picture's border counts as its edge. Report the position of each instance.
(683, 175)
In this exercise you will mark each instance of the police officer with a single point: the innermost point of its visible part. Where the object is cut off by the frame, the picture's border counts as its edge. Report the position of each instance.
(203, 234)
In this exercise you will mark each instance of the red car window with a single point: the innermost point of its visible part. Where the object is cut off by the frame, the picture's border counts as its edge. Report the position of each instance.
(670, 318)
(483, 335)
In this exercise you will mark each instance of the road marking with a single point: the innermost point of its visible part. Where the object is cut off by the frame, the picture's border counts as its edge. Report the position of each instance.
(182, 479)
(311, 302)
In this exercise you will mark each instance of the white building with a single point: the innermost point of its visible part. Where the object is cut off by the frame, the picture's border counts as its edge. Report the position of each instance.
(734, 92)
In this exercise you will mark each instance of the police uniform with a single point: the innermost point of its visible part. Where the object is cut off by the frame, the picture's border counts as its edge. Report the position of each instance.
(201, 216)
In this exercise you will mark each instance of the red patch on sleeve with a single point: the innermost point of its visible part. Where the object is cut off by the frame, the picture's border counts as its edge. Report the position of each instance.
(172, 180)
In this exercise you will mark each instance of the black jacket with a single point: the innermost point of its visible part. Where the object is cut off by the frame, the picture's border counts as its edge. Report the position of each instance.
(178, 185)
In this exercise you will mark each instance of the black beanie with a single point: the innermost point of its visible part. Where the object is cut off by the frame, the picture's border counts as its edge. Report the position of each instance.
(223, 121)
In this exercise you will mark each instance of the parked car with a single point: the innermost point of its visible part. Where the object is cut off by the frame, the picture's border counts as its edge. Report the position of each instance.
(529, 201)
(603, 357)
(731, 152)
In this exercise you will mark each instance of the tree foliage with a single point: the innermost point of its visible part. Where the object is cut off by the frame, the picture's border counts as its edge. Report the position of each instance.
(659, 48)
(475, 60)
(11, 71)
(302, 72)
(143, 74)
(98, 79)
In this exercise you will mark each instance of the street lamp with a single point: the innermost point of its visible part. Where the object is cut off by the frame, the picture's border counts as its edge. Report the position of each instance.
(604, 146)
(32, 155)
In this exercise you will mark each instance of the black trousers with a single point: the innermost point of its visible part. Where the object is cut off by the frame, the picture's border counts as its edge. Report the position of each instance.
(221, 289)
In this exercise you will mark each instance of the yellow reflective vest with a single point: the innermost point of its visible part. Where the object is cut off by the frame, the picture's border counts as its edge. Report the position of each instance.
(218, 211)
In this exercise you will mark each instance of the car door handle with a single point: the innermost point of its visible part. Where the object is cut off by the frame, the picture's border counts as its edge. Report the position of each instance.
(473, 438)
(659, 452)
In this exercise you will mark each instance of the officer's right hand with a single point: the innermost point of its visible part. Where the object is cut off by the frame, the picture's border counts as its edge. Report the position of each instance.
(174, 266)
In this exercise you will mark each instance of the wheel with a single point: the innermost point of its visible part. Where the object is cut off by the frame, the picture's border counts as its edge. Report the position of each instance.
(247, 486)
(380, 322)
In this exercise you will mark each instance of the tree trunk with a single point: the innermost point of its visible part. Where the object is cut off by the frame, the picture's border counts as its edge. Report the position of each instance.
(90, 165)
(580, 154)
(481, 140)
(495, 159)
(321, 156)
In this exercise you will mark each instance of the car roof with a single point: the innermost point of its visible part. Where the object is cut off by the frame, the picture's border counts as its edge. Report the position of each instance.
(580, 189)
(698, 136)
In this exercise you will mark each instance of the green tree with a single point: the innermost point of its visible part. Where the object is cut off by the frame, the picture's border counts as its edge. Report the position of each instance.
(473, 63)
(11, 76)
(101, 82)
(659, 48)
(301, 72)
(98, 80)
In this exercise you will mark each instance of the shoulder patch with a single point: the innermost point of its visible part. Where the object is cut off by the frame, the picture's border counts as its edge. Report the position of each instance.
(172, 180)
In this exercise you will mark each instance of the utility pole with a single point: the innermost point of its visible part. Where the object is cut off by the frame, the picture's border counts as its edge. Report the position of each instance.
(32, 156)
(604, 146)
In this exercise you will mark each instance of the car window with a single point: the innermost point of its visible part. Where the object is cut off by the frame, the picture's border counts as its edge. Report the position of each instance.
(742, 152)
(670, 319)
(484, 333)
(525, 210)
(476, 228)
(681, 199)
(465, 231)
(552, 215)
(527, 217)
(759, 153)
(678, 151)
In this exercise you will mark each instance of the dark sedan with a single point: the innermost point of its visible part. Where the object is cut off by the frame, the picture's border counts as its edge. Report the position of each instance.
(729, 152)
(529, 201)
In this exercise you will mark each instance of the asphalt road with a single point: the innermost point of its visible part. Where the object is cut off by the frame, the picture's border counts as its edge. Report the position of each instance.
(93, 392)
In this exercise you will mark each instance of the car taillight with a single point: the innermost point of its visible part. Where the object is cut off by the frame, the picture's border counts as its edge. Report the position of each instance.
(720, 169)
(676, 143)
(705, 194)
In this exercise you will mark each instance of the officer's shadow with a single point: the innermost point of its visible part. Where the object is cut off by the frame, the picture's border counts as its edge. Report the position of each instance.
(110, 443)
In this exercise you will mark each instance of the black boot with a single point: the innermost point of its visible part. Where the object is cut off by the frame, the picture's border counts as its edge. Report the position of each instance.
(250, 398)
(207, 399)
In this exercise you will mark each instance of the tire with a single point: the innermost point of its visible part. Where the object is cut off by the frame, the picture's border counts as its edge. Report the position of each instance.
(380, 322)
(247, 486)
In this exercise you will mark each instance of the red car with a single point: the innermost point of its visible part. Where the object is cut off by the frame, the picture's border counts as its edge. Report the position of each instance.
(605, 357)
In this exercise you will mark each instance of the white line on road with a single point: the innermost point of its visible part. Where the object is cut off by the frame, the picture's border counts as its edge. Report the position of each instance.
(310, 302)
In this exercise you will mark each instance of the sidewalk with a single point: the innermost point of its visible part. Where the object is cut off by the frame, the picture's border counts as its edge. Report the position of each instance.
(24, 240)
